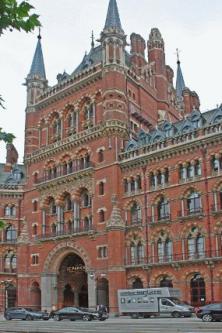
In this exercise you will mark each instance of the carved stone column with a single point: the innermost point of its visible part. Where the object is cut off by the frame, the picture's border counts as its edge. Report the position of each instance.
(91, 289)
(49, 291)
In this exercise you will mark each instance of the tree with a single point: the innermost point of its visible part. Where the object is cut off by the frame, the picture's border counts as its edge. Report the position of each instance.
(18, 16)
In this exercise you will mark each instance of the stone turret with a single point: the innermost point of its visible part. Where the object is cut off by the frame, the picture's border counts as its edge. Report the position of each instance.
(113, 38)
(138, 47)
(156, 55)
(36, 80)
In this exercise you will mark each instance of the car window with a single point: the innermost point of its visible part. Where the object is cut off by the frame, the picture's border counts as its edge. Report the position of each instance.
(166, 302)
(214, 307)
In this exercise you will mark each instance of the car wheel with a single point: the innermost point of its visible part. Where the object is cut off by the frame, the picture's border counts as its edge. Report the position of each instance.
(7, 317)
(207, 317)
(134, 316)
(28, 317)
(86, 318)
(57, 317)
(102, 319)
(176, 314)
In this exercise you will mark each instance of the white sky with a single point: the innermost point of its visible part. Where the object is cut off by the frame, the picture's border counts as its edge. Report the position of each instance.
(193, 26)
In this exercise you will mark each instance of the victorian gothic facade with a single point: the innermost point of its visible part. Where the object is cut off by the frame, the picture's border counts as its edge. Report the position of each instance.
(121, 185)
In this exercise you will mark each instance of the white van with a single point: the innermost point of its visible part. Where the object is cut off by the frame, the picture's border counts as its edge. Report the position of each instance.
(152, 302)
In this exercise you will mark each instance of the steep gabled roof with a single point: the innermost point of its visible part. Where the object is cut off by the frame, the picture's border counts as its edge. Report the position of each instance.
(112, 18)
(38, 67)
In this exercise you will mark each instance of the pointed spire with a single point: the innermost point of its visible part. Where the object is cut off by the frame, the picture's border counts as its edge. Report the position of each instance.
(180, 84)
(38, 67)
(112, 18)
(92, 42)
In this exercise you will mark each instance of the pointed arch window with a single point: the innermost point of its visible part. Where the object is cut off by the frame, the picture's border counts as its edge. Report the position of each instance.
(196, 246)
(164, 250)
(85, 200)
(10, 262)
(52, 207)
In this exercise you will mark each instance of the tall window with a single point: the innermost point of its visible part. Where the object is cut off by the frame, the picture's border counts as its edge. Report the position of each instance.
(196, 246)
(10, 233)
(7, 211)
(194, 203)
(100, 156)
(101, 188)
(165, 250)
(52, 206)
(163, 209)
(85, 199)
(101, 216)
(137, 253)
(136, 214)
(10, 263)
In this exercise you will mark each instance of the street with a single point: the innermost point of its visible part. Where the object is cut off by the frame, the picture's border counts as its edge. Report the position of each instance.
(113, 325)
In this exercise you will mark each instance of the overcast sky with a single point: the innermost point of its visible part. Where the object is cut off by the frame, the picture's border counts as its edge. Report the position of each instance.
(193, 26)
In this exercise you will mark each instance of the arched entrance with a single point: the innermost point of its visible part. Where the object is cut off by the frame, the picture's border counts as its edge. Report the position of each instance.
(10, 296)
(197, 290)
(166, 282)
(72, 282)
(137, 284)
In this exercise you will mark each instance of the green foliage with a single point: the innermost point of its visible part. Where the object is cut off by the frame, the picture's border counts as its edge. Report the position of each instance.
(17, 16)
(6, 137)
(2, 224)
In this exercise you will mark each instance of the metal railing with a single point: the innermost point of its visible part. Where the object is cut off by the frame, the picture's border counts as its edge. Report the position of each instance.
(62, 173)
(63, 230)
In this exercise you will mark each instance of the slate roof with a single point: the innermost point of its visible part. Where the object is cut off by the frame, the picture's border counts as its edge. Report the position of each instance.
(93, 58)
(180, 84)
(112, 18)
(167, 129)
(12, 178)
(38, 67)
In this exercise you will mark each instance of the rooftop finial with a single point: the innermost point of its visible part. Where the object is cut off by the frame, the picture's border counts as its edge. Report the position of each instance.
(180, 84)
(178, 55)
(39, 35)
(92, 38)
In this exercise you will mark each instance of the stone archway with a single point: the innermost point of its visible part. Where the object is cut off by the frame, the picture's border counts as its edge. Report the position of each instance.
(67, 264)
(197, 290)
(72, 284)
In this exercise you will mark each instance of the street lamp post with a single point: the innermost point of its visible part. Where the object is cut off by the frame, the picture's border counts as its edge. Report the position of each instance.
(5, 284)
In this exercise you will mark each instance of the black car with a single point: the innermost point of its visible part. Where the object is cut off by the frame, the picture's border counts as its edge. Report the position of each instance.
(210, 312)
(73, 313)
(25, 314)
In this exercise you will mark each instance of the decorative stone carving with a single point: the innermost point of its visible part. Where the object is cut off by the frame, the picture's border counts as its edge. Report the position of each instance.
(24, 236)
(115, 220)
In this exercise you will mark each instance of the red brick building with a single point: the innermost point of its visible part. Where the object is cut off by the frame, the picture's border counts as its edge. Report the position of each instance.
(122, 184)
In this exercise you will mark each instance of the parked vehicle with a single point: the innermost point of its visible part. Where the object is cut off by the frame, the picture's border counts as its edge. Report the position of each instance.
(210, 312)
(152, 302)
(25, 314)
(73, 313)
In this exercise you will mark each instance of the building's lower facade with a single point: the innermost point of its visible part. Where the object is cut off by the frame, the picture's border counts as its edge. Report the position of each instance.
(122, 185)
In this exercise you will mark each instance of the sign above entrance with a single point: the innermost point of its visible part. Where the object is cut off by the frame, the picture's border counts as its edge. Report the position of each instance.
(76, 268)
